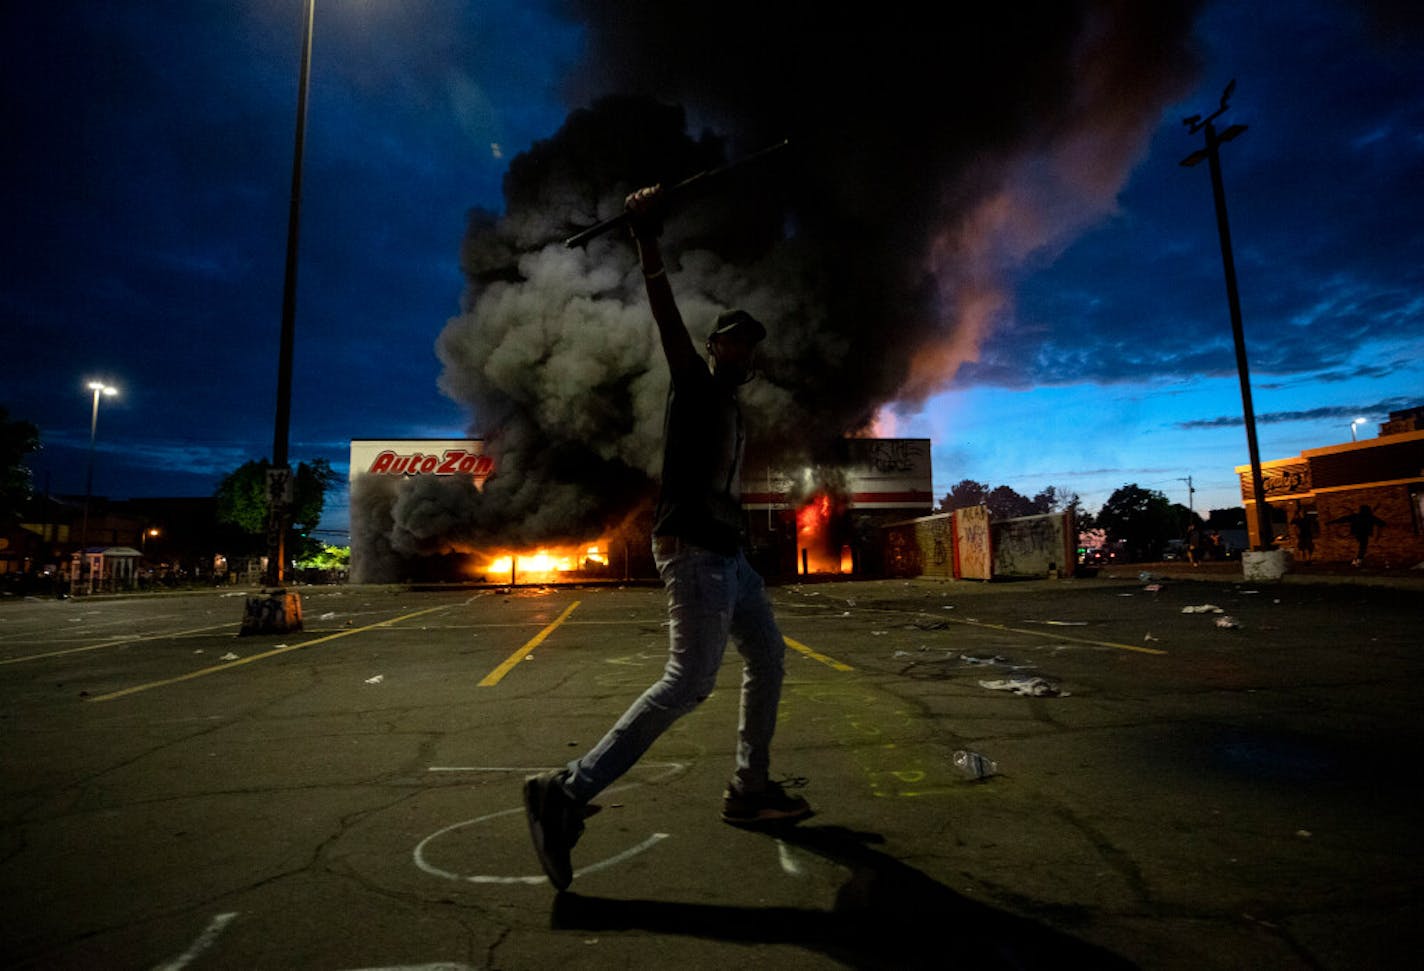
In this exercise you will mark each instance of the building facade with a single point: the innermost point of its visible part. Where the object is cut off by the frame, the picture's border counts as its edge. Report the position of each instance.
(1356, 501)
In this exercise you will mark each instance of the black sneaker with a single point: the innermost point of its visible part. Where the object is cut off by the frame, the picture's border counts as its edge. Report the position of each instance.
(771, 805)
(555, 824)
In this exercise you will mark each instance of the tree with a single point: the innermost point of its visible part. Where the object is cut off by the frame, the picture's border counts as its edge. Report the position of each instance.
(1142, 519)
(17, 439)
(242, 501)
(327, 558)
(965, 494)
(1005, 503)
(1232, 518)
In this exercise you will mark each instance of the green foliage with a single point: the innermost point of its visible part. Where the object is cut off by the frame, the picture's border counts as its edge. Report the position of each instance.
(17, 439)
(965, 494)
(327, 558)
(243, 502)
(1142, 519)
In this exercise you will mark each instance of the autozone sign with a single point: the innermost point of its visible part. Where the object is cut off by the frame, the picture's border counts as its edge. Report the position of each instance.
(413, 457)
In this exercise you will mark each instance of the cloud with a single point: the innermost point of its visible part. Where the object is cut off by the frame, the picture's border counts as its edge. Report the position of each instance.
(1346, 413)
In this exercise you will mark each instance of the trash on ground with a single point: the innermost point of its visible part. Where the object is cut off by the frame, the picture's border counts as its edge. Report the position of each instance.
(1154, 588)
(1146, 577)
(1030, 687)
(1059, 623)
(975, 659)
(376, 680)
(1227, 622)
(229, 656)
(1247, 593)
(1203, 609)
(1148, 637)
(329, 615)
(973, 766)
(878, 633)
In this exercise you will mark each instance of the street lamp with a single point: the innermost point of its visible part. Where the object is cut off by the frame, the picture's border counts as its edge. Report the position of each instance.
(1355, 424)
(99, 388)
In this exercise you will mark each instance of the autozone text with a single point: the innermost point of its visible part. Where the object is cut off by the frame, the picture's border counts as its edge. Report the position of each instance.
(454, 461)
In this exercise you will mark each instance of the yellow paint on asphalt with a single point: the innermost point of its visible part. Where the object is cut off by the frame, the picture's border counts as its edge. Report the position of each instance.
(131, 639)
(203, 672)
(495, 676)
(816, 655)
(1054, 636)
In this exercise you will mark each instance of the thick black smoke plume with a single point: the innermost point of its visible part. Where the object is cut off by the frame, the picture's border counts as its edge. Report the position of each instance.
(936, 153)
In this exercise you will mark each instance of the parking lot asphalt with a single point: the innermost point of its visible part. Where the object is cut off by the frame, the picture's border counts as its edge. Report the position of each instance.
(1174, 789)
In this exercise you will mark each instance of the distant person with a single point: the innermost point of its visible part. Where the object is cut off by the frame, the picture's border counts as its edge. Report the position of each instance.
(1214, 548)
(1304, 534)
(1193, 542)
(713, 593)
(1363, 525)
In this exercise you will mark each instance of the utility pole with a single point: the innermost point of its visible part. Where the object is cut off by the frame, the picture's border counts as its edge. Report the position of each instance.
(1211, 153)
(1190, 492)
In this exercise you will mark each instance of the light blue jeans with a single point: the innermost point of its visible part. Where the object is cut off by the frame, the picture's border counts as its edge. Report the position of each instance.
(711, 598)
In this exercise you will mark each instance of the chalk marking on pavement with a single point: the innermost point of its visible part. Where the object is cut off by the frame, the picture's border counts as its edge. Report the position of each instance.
(205, 940)
(495, 676)
(436, 871)
(126, 639)
(796, 645)
(437, 966)
(1049, 634)
(203, 672)
(671, 769)
(789, 864)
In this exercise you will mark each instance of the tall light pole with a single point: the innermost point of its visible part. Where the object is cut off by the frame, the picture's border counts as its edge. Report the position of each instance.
(280, 476)
(1265, 534)
(1355, 424)
(99, 388)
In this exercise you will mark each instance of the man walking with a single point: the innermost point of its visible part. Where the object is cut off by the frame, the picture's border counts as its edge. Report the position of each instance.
(713, 593)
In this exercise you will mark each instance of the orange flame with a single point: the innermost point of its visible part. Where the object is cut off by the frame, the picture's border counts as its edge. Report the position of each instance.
(814, 540)
(547, 564)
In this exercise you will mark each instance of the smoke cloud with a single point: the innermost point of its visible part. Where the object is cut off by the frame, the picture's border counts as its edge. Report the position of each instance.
(936, 155)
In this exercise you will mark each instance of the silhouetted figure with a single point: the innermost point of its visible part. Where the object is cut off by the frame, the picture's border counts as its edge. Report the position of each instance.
(1304, 534)
(1363, 525)
(1193, 544)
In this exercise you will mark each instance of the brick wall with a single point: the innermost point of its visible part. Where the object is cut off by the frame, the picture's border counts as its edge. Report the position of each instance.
(1397, 544)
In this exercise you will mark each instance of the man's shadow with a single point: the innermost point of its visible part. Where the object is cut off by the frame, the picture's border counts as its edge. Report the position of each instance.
(887, 915)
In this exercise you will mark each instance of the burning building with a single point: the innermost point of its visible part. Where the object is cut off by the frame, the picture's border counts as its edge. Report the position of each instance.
(881, 251)
(828, 519)
(408, 497)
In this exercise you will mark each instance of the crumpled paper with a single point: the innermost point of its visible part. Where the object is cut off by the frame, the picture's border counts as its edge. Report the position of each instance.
(1031, 687)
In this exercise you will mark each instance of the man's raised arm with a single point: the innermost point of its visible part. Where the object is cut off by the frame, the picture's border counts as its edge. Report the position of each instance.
(643, 207)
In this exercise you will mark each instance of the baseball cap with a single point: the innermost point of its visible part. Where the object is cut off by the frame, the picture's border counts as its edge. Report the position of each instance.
(730, 320)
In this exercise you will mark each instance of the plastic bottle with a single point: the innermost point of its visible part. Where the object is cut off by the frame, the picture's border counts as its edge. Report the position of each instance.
(974, 766)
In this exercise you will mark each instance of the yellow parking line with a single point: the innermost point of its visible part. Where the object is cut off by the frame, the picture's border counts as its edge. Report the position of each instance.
(494, 677)
(816, 655)
(203, 672)
(133, 639)
(1055, 636)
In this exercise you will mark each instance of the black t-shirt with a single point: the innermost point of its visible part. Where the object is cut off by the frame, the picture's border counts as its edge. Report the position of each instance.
(703, 439)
